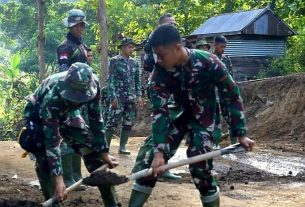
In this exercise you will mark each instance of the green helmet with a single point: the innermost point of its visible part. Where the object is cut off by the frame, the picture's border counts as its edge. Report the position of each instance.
(74, 17)
(202, 43)
(79, 85)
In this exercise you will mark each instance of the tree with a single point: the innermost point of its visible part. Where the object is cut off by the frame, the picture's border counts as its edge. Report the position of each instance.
(103, 42)
(41, 40)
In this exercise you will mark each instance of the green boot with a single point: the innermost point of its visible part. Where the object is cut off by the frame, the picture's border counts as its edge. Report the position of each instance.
(137, 198)
(167, 175)
(66, 161)
(47, 188)
(109, 135)
(76, 167)
(108, 195)
(211, 200)
(123, 141)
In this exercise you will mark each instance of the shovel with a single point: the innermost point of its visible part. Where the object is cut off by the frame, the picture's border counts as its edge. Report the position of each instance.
(73, 187)
(110, 178)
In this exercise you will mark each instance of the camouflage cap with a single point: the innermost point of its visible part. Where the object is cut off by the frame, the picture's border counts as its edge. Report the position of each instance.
(74, 17)
(202, 43)
(78, 85)
(126, 41)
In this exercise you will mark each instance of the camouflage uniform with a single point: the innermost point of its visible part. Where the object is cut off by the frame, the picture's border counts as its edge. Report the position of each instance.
(193, 87)
(105, 103)
(61, 120)
(124, 84)
(227, 61)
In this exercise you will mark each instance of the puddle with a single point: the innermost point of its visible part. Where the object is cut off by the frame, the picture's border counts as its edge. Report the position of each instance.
(274, 164)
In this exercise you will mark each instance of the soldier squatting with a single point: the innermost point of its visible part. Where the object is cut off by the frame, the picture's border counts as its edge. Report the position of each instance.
(188, 89)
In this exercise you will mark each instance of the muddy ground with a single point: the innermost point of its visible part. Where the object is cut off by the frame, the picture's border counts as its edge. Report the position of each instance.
(273, 175)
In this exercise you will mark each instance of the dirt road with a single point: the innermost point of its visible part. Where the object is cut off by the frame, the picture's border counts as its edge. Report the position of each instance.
(263, 178)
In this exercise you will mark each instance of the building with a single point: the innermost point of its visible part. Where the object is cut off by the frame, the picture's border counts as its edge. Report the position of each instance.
(255, 38)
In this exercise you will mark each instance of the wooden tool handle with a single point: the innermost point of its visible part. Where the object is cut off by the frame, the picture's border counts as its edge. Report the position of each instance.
(188, 161)
(71, 188)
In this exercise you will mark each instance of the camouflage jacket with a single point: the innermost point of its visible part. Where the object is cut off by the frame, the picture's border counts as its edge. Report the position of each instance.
(70, 51)
(227, 61)
(193, 87)
(124, 81)
(55, 111)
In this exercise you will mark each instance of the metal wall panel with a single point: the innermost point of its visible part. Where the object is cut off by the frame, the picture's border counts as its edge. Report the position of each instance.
(255, 48)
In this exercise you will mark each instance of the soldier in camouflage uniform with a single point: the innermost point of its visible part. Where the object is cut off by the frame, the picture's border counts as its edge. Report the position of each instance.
(124, 93)
(72, 50)
(220, 44)
(59, 98)
(191, 77)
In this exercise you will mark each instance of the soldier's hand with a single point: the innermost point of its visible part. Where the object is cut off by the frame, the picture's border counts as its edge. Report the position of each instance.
(115, 103)
(247, 143)
(140, 103)
(60, 188)
(110, 160)
(157, 162)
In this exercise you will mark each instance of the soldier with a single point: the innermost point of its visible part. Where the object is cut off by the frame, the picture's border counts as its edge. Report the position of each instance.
(220, 44)
(70, 51)
(73, 49)
(89, 56)
(191, 77)
(203, 45)
(124, 93)
(56, 102)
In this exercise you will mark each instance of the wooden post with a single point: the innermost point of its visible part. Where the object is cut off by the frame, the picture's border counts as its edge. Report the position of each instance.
(103, 42)
(41, 40)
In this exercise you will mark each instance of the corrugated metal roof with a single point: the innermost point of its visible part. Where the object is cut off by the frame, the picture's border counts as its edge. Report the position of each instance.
(228, 23)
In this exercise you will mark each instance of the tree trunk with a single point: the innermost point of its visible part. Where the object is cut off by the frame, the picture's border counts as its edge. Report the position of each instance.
(41, 40)
(103, 42)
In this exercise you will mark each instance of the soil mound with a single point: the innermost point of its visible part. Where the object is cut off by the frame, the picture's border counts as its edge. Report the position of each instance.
(11, 203)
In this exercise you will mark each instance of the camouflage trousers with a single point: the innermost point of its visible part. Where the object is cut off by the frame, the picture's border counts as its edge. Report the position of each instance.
(201, 142)
(125, 114)
(82, 142)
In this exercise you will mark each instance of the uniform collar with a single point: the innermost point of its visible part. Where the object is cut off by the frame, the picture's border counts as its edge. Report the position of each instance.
(72, 38)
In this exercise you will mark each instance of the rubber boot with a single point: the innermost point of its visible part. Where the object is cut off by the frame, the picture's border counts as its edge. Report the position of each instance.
(211, 200)
(137, 198)
(47, 188)
(109, 135)
(123, 141)
(76, 167)
(108, 195)
(66, 161)
(170, 176)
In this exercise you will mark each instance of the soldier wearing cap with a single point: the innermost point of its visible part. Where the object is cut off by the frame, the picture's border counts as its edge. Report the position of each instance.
(220, 44)
(203, 45)
(58, 99)
(124, 93)
(72, 49)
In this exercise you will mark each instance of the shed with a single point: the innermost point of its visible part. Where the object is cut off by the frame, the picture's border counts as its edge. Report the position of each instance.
(254, 38)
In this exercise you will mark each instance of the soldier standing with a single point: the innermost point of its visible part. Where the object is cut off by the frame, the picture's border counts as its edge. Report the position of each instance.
(191, 77)
(57, 102)
(72, 50)
(124, 93)
(220, 44)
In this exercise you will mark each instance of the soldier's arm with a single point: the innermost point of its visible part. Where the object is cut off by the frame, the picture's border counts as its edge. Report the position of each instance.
(51, 108)
(230, 98)
(230, 66)
(111, 80)
(63, 57)
(160, 114)
(137, 79)
(96, 122)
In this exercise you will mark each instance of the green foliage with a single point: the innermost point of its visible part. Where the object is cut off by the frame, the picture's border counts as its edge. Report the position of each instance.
(14, 86)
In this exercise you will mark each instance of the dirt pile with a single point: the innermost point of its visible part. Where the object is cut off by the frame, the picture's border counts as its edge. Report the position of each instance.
(275, 109)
